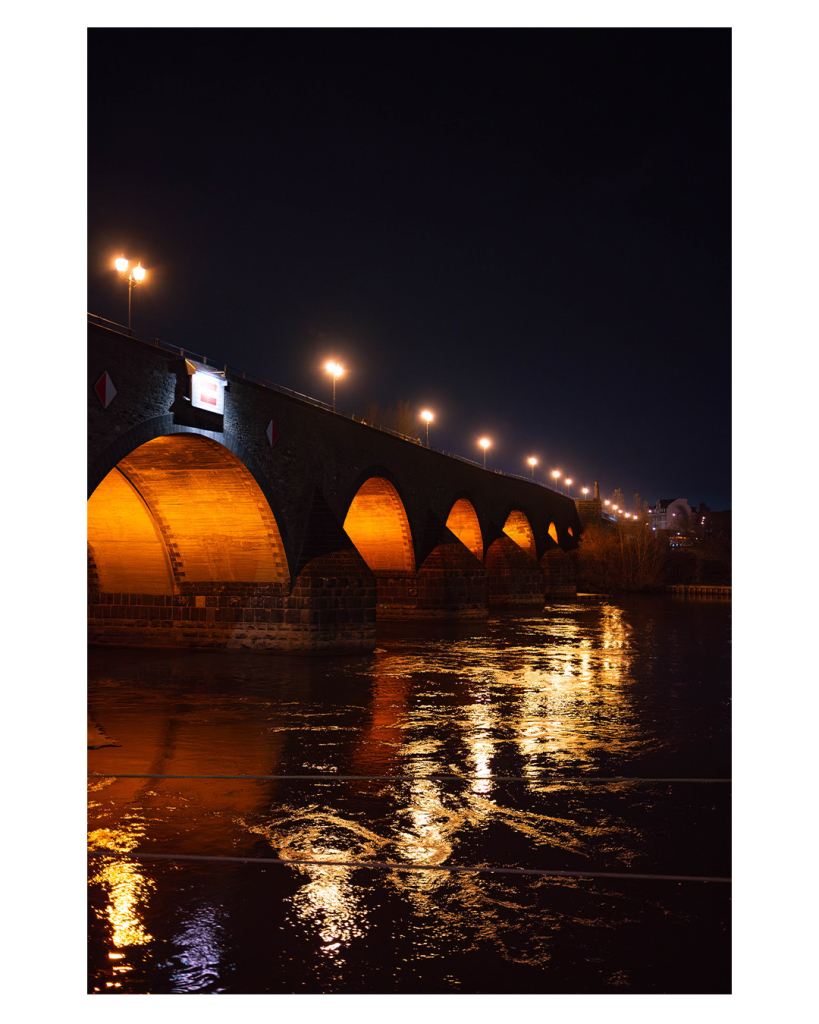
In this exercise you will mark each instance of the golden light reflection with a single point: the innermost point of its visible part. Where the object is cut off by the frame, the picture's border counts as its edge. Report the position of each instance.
(479, 738)
(331, 900)
(128, 889)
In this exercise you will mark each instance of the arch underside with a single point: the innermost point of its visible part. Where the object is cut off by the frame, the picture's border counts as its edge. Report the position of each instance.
(517, 528)
(377, 524)
(182, 509)
(463, 522)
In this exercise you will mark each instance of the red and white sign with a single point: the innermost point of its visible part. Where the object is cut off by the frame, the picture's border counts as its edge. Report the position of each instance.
(271, 432)
(208, 392)
(105, 389)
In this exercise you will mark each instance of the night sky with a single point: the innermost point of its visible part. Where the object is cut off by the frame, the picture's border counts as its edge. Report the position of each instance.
(526, 231)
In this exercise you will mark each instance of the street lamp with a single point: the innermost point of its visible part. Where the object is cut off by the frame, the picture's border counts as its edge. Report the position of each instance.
(585, 491)
(427, 415)
(569, 485)
(336, 369)
(484, 443)
(135, 275)
(556, 475)
(533, 463)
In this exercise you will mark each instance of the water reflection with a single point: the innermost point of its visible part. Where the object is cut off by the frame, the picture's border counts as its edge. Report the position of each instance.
(200, 941)
(458, 744)
(127, 889)
(329, 901)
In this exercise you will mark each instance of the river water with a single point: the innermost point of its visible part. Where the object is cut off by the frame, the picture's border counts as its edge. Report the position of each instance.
(592, 738)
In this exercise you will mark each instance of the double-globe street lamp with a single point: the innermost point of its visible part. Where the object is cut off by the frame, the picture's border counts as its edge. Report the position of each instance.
(135, 275)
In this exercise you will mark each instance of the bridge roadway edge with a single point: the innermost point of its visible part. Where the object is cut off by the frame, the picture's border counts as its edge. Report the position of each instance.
(309, 477)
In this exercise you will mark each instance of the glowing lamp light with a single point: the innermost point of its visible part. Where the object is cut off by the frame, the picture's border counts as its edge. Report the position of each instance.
(427, 416)
(585, 490)
(484, 443)
(532, 462)
(336, 369)
(136, 275)
(555, 473)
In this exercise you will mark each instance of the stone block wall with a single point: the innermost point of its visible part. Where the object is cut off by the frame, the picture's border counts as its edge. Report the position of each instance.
(589, 512)
(514, 577)
(331, 607)
(560, 573)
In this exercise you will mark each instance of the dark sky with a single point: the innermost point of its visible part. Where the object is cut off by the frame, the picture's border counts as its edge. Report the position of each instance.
(527, 231)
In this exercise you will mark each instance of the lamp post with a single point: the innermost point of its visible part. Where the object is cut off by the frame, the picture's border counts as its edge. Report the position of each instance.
(484, 443)
(569, 485)
(336, 369)
(585, 492)
(427, 415)
(135, 275)
(556, 475)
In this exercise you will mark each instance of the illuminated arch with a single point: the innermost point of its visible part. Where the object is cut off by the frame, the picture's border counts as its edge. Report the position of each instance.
(517, 528)
(378, 526)
(463, 522)
(179, 509)
(553, 532)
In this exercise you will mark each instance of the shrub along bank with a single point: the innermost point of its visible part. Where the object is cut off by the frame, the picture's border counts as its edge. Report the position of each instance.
(634, 558)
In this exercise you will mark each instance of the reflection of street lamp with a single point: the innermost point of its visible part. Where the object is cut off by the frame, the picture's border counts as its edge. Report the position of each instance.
(427, 415)
(484, 443)
(336, 369)
(533, 463)
(136, 275)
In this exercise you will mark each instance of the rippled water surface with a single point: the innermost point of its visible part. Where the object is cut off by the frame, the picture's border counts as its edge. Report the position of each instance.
(590, 737)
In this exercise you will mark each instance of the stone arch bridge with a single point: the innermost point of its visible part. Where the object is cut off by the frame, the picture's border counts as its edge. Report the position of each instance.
(226, 513)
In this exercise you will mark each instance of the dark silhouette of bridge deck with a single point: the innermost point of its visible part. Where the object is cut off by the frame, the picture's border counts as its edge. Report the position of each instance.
(278, 524)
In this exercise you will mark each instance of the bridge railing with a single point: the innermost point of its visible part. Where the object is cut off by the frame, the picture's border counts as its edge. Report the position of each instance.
(198, 357)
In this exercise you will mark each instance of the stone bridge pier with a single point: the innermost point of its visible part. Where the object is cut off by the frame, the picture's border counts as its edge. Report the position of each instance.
(270, 522)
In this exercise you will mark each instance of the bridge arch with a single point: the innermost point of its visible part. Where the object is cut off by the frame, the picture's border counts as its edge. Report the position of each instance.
(164, 426)
(463, 522)
(378, 526)
(180, 509)
(518, 529)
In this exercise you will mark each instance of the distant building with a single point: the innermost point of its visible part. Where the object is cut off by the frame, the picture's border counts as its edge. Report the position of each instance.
(683, 523)
(671, 514)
